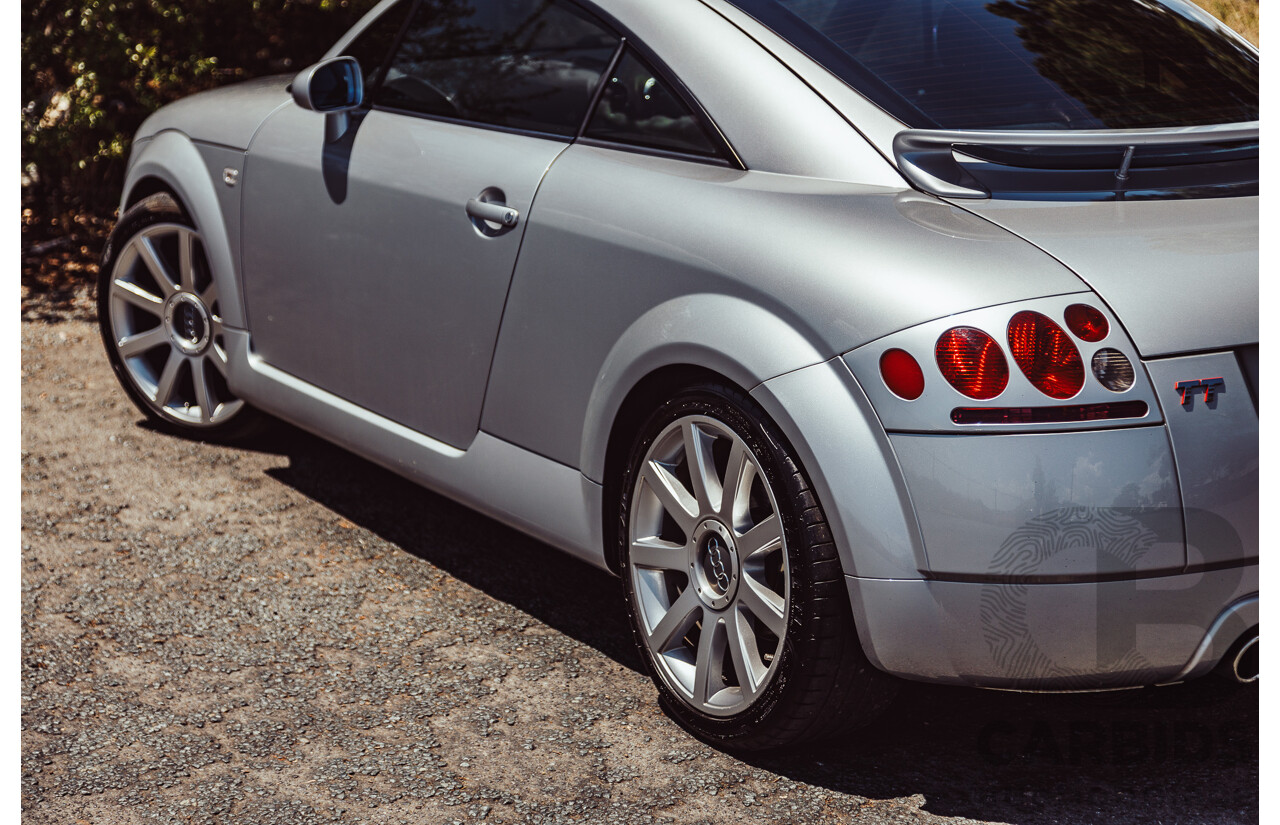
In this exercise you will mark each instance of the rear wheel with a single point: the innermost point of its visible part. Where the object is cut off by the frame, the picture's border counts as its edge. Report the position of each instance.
(736, 594)
(160, 316)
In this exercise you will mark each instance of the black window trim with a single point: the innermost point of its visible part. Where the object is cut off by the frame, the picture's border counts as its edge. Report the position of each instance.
(725, 155)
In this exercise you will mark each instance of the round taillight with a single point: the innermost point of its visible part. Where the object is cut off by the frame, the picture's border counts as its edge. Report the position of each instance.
(901, 374)
(1087, 323)
(972, 362)
(1113, 369)
(1046, 355)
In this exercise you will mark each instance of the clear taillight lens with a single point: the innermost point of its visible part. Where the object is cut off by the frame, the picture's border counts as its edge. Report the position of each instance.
(1112, 369)
(972, 362)
(1046, 355)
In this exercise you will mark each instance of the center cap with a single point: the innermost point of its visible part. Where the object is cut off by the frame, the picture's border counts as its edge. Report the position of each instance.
(714, 567)
(187, 322)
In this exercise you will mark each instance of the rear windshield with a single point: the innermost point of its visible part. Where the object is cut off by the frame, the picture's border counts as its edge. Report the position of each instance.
(1026, 64)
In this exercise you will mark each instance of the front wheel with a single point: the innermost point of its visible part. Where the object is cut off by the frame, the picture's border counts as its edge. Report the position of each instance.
(160, 317)
(735, 591)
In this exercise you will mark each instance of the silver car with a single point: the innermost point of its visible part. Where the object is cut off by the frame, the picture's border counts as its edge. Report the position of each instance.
(861, 338)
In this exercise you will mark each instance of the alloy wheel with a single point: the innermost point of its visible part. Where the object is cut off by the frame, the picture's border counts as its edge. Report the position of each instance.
(166, 325)
(708, 566)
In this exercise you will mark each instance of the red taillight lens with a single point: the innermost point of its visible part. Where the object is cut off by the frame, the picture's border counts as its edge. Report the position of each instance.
(901, 374)
(972, 362)
(1046, 355)
(1087, 323)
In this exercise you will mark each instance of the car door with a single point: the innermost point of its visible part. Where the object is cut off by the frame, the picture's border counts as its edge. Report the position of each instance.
(376, 266)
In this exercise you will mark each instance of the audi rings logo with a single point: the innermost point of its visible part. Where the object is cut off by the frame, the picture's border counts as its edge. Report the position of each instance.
(715, 555)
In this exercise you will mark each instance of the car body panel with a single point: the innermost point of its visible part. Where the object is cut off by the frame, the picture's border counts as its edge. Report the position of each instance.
(1215, 442)
(1073, 636)
(597, 260)
(228, 116)
(827, 418)
(1181, 274)
(526, 491)
(1045, 506)
(364, 273)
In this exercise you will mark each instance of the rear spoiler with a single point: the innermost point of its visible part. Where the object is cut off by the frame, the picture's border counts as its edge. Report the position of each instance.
(1077, 161)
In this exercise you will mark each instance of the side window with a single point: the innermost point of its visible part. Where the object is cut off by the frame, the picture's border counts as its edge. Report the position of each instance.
(638, 107)
(371, 46)
(524, 64)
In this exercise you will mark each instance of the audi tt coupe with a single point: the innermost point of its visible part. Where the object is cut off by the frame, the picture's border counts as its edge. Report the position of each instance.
(861, 338)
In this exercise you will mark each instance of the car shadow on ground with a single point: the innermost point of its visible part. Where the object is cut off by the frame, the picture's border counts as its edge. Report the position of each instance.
(1185, 753)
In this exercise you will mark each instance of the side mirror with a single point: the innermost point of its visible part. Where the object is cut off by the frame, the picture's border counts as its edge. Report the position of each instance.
(333, 87)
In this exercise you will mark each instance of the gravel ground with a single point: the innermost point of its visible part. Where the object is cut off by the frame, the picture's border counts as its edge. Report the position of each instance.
(284, 633)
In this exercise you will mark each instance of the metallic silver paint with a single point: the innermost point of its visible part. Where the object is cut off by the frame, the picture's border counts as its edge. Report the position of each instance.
(1182, 275)
(1097, 634)
(1215, 445)
(1230, 625)
(1045, 506)
(829, 421)
(548, 500)
(228, 116)
(363, 273)
(636, 267)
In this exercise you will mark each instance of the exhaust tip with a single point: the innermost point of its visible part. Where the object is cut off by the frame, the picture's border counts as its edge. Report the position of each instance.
(1244, 667)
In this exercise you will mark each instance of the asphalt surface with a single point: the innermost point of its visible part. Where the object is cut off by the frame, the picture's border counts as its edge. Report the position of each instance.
(281, 632)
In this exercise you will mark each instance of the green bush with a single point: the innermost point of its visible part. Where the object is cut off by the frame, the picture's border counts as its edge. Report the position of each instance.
(92, 70)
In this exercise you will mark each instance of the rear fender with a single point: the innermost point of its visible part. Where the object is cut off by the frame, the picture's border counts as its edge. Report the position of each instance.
(747, 345)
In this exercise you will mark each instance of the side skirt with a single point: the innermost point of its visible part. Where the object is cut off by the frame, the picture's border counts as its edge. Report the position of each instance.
(531, 493)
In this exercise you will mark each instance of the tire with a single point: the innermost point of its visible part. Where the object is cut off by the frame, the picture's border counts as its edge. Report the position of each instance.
(161, 324)
(782, 664)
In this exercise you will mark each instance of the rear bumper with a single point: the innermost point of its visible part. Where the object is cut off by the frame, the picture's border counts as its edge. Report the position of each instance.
(1073, 636)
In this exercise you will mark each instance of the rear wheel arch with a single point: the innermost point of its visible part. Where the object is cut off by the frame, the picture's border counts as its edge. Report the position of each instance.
(644, 397)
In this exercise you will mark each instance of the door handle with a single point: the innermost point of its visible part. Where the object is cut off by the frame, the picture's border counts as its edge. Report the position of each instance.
(494, 212)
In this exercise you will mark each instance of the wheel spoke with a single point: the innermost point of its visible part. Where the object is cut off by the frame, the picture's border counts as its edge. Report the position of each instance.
(764, 604)
(655, 553)
(674, 497)
(676, 619)
(210, 295)
(168, 378)
(711, 650)
(744, 650)
(702, 470)
(218, 358)
(135, 295)
(761, 539)
(140, 343)
(735, 473)
(204, 399)
(186, 261)
(152, 259)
